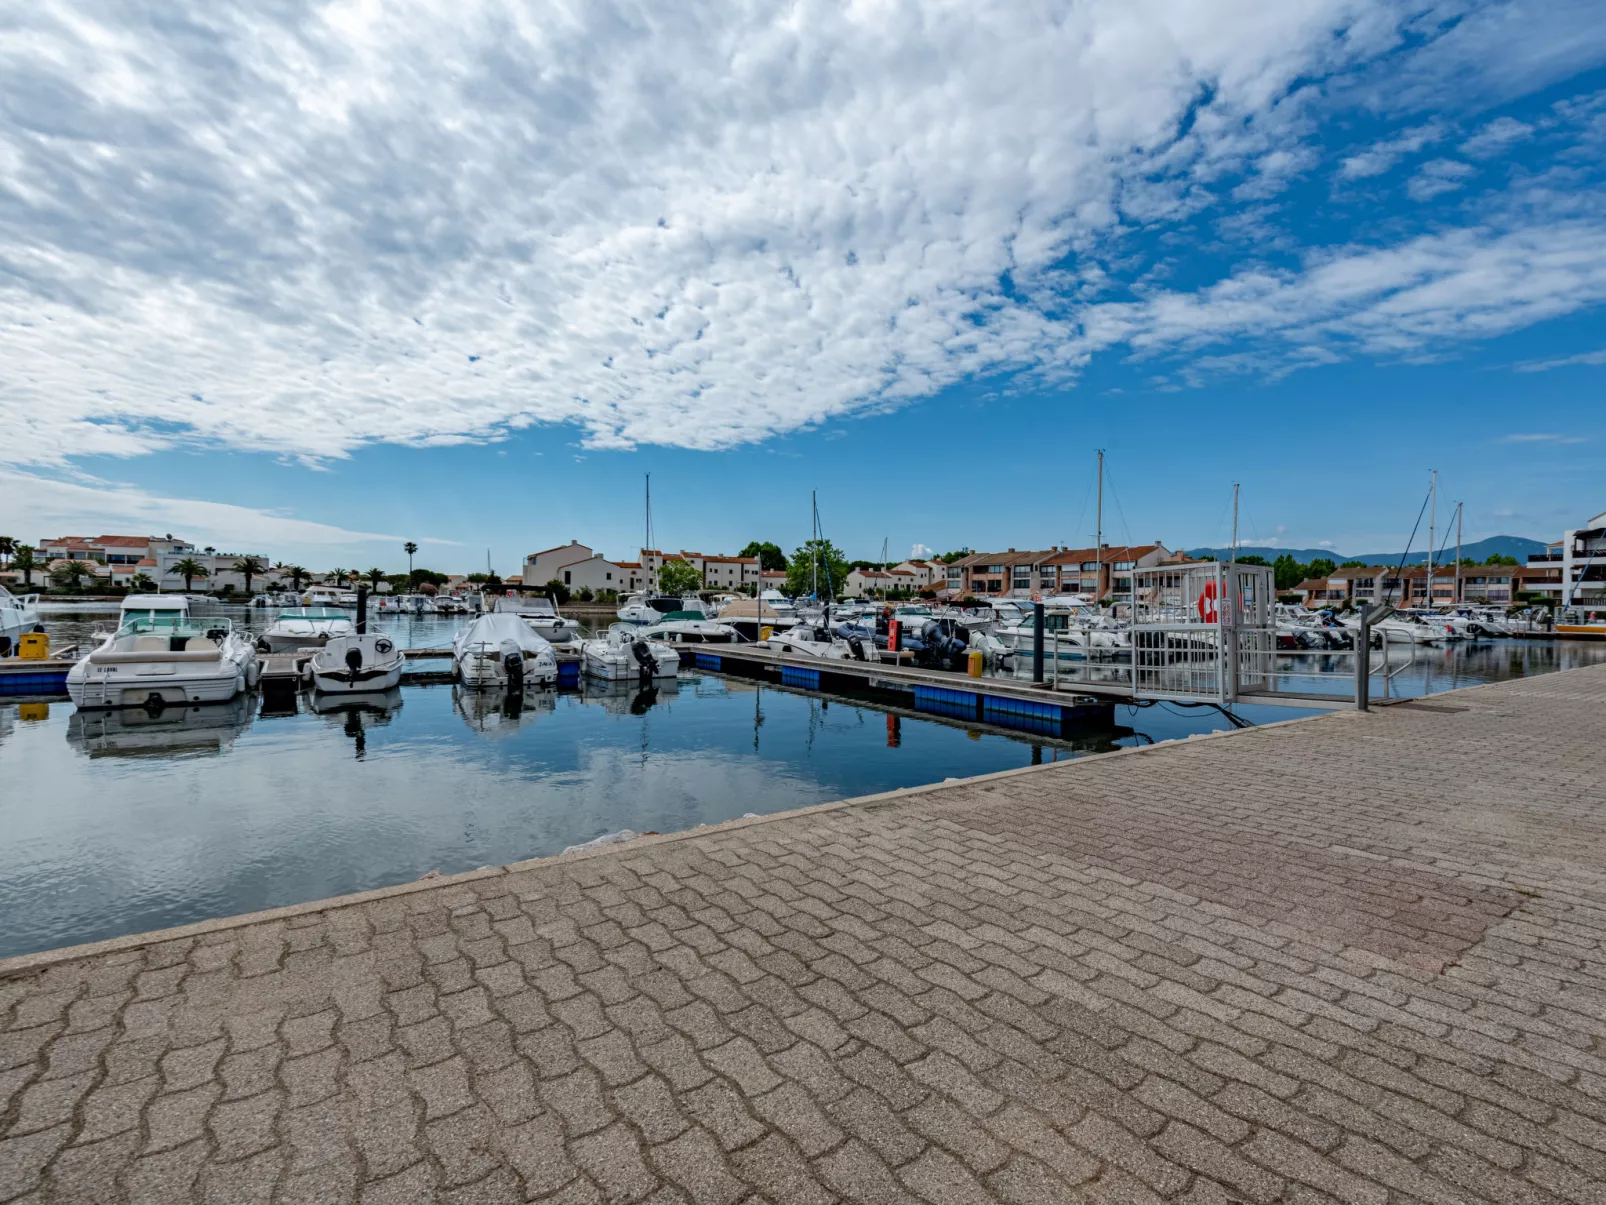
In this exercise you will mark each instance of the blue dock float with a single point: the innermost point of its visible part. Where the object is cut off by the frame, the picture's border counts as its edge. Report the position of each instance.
(794, 675)
(18, 677)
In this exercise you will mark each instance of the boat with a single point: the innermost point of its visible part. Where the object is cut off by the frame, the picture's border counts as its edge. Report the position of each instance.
(777, 602)
(806, 641)
(134, 732)
(688, 627)
(501, 651)
(415, 604)
(355, 663)
(751, 616)
(625, 655)
(304, 628)
(157, 660)
(1581, 622)
(645, 609)
(19, 615)
(447, 604)
(541, 613)
(324, 596)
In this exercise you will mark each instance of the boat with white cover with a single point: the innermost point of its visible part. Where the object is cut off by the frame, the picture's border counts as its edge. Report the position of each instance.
(624, 655)
(542, 615)
(356, 663)
(305, 628)
(681, 627)
(502, 652)
(19, 615)
(156, 660)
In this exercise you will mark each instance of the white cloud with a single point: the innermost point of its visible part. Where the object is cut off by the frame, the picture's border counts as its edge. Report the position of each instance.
(1541, 438)
(1496, 138)
(919, 551)
(1437, 177)
(301, 229)
(1381, 156)
(1582, 358)
(52, 507)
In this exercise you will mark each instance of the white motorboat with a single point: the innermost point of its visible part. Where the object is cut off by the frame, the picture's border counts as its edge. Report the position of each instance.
(501, 651)
(645, 609)
(324, 596)
(777, 602)
(626, 655)
(676, 630)
(304, 628)
(19, 615)
(356, 664)
(806, 641)
(541, 613)
(447, 604)
(156, 660)
(416, 604)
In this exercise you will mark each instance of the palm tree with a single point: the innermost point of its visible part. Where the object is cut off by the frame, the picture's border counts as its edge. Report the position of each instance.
(409, 548)
(338, 576)
(22, 558)
(248, 567)
(296, 573)
(8, 546)
(71, 573)
(375, 576)
(140, 582)
(189, 569)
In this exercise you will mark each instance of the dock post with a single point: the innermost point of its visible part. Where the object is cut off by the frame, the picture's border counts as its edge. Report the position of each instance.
(1363, 660)
(362, 610)
(1037, 642)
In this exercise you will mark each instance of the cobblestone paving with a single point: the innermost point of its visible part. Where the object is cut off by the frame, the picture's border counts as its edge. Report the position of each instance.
(1358, 959)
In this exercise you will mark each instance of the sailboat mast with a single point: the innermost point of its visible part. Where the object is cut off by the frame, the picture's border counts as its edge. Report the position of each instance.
(1234, 522)
(1433, 511)
(1098, 533)
(646, 536)
(1458, 509)
(814, 540)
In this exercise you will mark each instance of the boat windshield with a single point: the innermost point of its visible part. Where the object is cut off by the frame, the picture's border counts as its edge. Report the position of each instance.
(321, 613)
(172, 624)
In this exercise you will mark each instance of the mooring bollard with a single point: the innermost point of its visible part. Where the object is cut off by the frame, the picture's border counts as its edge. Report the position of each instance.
(1037, 642)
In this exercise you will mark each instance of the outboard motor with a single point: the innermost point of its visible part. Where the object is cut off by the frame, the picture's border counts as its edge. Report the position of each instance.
(513, 666)
(643, 656)
(354, 659)
(856, 646)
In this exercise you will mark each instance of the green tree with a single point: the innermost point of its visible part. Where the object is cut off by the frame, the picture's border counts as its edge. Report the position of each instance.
(375, 576)
(22, 558)
(1253, 560)
(494, 582)
(297, 574)
(1321, 567)
(556, 591)
(338, 576)
(141, 583)
(409, 548)
(1287, 572)
(959, 554)
(770, 556)
(477, 578)
(71, 574)
(817, 561)
(189, 569)
(1353, 565)
(679, 577)
(1498, 559)
(248, 567)
(421, 577)
(8, 546)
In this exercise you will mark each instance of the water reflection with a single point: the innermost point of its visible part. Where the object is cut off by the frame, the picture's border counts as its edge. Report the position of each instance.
(354, 712)
(163, 732)
(500, 713)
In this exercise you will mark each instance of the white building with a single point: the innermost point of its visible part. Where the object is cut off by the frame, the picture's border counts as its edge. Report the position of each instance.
(116, 560)
(925, 573)
(1581, 557)
(580, 567)
(717, 571)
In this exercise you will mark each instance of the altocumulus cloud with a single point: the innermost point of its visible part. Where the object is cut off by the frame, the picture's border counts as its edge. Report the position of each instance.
(299, 228)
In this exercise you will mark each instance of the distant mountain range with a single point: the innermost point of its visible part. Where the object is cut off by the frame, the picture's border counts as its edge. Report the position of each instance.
(1517, 546)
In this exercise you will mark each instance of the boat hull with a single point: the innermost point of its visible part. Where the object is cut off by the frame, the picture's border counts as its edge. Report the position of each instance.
(368, 680)
(146, 690)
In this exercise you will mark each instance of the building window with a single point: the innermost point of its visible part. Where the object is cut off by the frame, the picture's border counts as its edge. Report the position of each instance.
(566, 577)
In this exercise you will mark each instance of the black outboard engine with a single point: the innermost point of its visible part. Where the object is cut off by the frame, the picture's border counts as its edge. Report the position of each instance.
(643, 656)
(513, 665)
(856, 646)
(354, 659)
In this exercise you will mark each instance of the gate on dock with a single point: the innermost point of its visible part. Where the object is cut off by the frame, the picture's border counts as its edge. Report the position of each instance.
(1202, 632)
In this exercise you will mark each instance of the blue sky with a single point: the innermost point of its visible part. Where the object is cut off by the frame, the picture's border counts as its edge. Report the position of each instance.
(314, 279)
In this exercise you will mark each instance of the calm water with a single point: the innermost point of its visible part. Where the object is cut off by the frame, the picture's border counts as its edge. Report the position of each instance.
(121, 822)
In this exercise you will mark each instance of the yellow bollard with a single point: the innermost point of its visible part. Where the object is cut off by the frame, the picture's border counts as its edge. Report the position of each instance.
(765, 633)
(33, 711)
(34, 646)
(977, 660)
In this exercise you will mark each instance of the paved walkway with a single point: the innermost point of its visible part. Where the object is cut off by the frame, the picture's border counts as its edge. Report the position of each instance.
(1356, 958)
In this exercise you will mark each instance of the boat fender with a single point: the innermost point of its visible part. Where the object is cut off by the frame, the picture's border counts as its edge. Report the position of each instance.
(253, 673)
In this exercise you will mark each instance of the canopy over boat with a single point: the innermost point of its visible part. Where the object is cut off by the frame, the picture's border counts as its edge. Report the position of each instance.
(498, 628)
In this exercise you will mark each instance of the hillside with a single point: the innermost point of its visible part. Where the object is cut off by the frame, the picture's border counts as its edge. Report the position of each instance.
(1517, 546)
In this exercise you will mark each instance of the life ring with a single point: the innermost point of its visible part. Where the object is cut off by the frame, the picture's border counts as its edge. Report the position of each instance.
(1207, 603)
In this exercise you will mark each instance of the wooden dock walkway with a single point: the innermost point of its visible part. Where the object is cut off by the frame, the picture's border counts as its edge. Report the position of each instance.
(1356, 958)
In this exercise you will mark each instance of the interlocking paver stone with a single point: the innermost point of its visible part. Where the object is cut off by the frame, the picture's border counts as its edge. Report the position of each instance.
(1356, 959)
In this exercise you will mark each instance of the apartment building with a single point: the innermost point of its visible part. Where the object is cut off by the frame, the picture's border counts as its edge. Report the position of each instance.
(718, 572)
(116, 560)
(1572, 571)
(1098, 572)
(580, 567)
